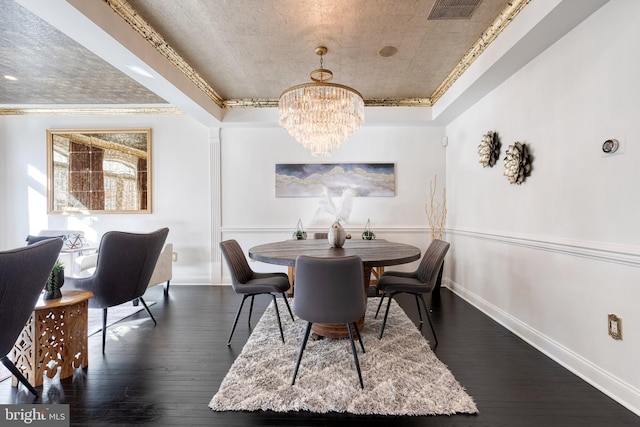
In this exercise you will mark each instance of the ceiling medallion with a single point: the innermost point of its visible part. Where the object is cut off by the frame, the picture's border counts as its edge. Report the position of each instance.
(321, 115)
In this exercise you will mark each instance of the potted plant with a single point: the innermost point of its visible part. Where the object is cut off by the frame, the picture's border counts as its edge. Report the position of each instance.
(368, 233)
(299, 234)
(55, 281)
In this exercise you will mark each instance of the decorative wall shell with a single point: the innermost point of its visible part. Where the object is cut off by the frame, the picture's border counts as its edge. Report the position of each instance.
(489, 149)
(517, 163)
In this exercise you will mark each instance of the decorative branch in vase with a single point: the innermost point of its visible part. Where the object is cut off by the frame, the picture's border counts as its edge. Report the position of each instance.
(337, 233)
(436, 210)
(437, 217)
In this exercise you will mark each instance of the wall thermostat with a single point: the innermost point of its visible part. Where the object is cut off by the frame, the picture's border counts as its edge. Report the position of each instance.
(610, 146)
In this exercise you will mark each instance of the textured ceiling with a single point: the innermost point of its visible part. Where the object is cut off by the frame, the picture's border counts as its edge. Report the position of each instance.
(250, 49)
(255, 49)
(51, 68)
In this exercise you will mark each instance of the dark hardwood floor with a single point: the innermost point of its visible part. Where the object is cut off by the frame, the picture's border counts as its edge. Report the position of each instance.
(167, 374)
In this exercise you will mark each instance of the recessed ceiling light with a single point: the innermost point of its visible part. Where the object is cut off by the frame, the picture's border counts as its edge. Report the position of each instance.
(388, 51)
(9, 77)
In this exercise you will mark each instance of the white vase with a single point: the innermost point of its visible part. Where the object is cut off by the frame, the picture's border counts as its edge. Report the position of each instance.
(337, 235)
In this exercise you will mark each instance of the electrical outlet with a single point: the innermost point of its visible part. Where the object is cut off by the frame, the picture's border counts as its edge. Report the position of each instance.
(615, 326)
(174, 256)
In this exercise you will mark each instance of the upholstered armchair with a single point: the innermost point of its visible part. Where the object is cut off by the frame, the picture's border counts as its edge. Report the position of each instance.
(162, 273)
(23, 273)
(124, 267)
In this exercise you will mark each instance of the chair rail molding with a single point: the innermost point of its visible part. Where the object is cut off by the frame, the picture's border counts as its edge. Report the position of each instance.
(601, 251)
(310, 230)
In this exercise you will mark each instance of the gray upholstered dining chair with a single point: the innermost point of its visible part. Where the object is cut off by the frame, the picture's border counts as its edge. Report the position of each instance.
(23, 274)
(417, 283)
(249, 283)
(329, 290)
(123, 269)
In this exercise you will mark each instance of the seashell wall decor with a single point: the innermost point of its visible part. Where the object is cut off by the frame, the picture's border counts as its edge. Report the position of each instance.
(517, 163)
(489, 149)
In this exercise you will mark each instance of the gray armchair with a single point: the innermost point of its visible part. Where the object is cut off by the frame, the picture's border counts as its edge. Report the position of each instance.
(416, 283)
(249, 283)
(23, 274)
(124, 266)
(85, 265)
(329, 290)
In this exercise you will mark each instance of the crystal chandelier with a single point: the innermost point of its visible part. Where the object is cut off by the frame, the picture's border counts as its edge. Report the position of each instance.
(321, 115)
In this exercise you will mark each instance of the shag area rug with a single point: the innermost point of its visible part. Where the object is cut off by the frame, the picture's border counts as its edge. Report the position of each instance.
(402, 376)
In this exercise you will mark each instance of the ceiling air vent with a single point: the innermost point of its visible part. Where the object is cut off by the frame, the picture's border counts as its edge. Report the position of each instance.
(453, 9)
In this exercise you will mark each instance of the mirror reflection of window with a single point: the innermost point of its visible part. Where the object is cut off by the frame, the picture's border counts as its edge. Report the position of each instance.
(99, 171)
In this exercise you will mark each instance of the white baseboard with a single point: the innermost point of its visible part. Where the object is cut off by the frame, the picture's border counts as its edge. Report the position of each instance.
(190, 280)
(620, 391)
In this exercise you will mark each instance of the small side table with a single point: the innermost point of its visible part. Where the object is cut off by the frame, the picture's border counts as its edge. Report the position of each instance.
(56, 331)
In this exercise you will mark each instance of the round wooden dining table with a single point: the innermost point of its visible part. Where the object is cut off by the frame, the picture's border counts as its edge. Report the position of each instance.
(374, 253)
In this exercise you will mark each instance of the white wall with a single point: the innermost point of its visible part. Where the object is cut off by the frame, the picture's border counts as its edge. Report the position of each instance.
(181, 185)
(552, 257)
(548, 259)
(253, 215)
(184, 190)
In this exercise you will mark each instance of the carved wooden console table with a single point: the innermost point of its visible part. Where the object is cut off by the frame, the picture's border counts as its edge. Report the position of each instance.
(55, 336)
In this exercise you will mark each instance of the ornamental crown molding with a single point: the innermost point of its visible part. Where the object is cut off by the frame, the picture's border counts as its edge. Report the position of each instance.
(126, 12)
(95, 111)
(129, 15)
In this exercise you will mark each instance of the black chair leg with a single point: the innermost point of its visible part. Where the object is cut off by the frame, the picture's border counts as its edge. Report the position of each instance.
(16, 372)
(355, 354)
(135, 302)
(166, 288)
(104, 328)
(304, 344)
(429, 319)
(250, 311)
(235, 322)
(379, 305)
(418, 305)
(355, 326)
(275, 304)
(386, 314)
(148, 311)
(286, 301)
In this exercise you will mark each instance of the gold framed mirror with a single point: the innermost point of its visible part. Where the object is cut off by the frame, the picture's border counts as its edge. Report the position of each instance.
(99, 171)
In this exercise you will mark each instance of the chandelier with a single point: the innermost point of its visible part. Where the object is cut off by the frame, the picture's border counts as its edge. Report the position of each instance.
(321, 115)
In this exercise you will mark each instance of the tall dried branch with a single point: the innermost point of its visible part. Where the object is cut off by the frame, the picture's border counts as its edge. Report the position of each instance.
(436, 210)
